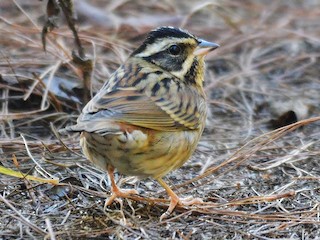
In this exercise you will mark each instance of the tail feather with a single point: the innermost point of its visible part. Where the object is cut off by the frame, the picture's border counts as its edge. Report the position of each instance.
(102, 128)
(68, 129)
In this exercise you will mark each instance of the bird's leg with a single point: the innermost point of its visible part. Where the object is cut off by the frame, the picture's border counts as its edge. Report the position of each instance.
(115, 190)
(175, 200)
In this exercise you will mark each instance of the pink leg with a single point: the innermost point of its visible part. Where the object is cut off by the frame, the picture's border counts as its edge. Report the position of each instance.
(175, 200)
(115, 190)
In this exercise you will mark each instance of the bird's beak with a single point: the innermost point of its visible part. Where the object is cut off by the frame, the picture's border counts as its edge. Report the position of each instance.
(205, 47)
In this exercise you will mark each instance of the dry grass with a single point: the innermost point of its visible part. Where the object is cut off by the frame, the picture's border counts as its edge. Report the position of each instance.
(257, 183)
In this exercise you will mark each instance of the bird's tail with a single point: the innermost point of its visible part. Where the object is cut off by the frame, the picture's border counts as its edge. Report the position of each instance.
(69, 129)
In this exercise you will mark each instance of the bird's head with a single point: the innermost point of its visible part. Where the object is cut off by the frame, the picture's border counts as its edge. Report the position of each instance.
(177, 52)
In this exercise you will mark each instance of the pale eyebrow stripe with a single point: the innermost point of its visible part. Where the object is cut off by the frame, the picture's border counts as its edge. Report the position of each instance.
(158, 46)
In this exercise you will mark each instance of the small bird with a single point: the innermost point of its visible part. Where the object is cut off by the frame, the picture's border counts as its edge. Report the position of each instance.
(147, 119)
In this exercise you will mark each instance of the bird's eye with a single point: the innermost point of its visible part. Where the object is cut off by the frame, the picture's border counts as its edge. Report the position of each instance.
(174, 49)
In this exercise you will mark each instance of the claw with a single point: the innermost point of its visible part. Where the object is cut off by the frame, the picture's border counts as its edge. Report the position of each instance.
(116, 191)
(175, 200)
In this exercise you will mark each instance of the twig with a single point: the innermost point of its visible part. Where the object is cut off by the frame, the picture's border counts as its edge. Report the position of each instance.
(32, 158)
(51, 233)
(22, 218)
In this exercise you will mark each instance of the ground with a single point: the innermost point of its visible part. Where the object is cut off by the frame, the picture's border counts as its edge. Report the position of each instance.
(257, 164)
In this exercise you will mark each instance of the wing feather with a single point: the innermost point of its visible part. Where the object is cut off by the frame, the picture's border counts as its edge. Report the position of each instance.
(170, 106)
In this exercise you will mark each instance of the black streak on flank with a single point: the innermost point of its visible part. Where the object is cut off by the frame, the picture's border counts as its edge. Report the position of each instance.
(178, 112)
(189, 118)
(188, 105)
(160, 33)
(155, 89)
(166, 83)
(195, 110)
(181, 104)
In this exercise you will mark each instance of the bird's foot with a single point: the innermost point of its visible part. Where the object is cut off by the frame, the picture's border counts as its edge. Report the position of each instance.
(119, 193)
(188, 201)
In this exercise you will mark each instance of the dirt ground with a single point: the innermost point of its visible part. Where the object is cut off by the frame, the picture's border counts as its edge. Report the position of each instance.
(256, 167)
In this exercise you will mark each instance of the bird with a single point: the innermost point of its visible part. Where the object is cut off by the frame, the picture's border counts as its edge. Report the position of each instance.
(148, 117)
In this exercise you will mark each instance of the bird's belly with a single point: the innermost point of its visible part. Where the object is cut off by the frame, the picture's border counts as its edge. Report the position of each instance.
(142, 152)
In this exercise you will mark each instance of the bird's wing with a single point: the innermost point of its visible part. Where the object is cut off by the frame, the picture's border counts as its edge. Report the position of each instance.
(156, 104)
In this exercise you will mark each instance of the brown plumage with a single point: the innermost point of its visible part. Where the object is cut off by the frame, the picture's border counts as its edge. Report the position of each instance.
(148, 117)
